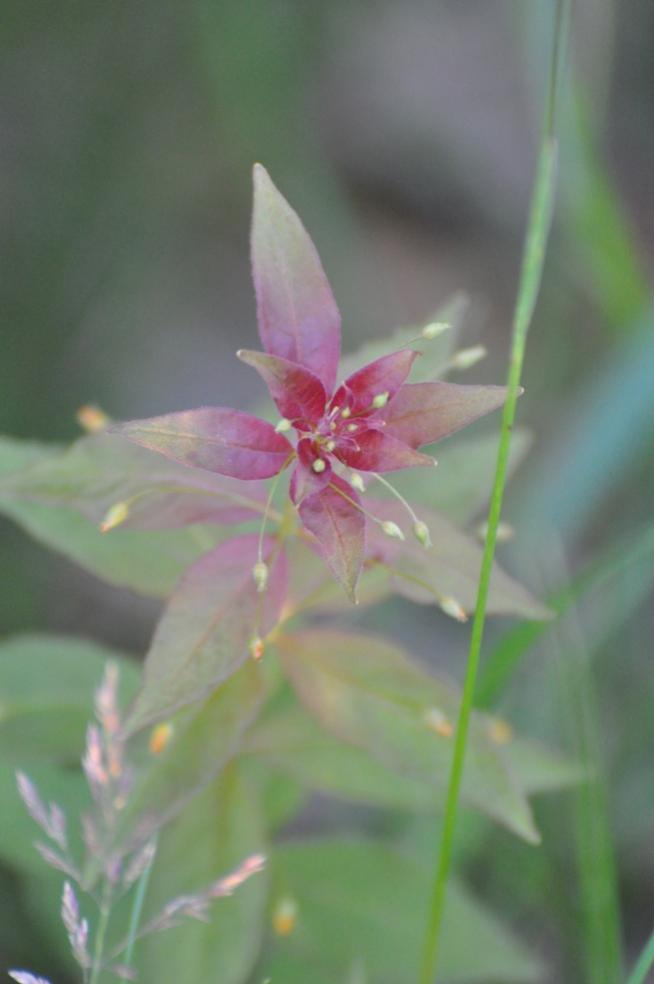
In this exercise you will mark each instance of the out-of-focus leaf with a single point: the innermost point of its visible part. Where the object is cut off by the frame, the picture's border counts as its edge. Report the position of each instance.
(448, 569)
(361, 904)
(201, 742)
(288, 739)
(148, 562)
(281, 796)
(218, 830)
(291, 741)
(97, 472)
(435, 353)
(461, 484)
(47, 685)
(205, 630)
(367, 691)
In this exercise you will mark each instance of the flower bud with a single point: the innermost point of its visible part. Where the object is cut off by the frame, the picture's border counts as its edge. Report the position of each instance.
(434, 329)
(468, 357)
(260, 576)
(421, 533)
(436, 721)
(505, 532)
(284, 916)
(452, 608)
(283, 426)
(380, 400)
(392, 529)
(257, 648)
(500, 731)
(114, 517)
(357, 482)
(160, 737)
(92, 419)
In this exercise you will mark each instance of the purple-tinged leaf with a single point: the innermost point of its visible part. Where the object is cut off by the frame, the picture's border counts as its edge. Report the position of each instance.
(204, 632)
(297, 314)
(217, 439)
(378, 451)
(335, 518)
(381, 378)
(298, 393)
(422, 413)
(449, 569)
(368, 692)
(305, 480)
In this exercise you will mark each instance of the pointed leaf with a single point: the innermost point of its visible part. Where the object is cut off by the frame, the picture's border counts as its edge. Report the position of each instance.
(298, 393)
(202, 741)
(205, 630)
(381, 452)
(217, 439)
(383, 376)
(338, 524)
(297, 313)
(148, 562)
(435, 354)
(368, 692)
(448, 569)
(422, 413)
(357, 902)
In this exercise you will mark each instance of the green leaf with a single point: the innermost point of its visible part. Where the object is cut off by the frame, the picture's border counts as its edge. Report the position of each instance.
(288, 739)
(201, 742)
(146, 561)
(205, 631)
(47, 685)
(460, 486)
(368, 692)
(217, 831)
(435, 353)
(449, 569)
(360, 907)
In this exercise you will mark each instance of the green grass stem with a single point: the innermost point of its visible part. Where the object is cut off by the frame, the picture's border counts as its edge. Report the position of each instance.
(530, 277)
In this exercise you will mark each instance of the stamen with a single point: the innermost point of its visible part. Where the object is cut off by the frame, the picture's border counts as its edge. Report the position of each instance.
(115, 516)
(92, 419)
(392, 529)
(283, 426)
(357, 482)
(260, 575)
(434, 329)
(319, 466)
(264, 519)
(351, 428)
(420, 529)
(345, 413)
(380, 400)
(330, 445)
(438, 722)
(452, 608)
(257, 648)
(468, 357)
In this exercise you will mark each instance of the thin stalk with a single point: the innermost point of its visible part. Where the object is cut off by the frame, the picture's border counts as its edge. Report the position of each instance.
(100, 933)
(530, 277)
(644, 964)
(137, 909)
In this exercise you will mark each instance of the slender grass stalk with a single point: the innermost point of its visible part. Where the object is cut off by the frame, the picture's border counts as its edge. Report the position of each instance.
(530, 277)
(137, 909)
(100, 933)
(644, 964)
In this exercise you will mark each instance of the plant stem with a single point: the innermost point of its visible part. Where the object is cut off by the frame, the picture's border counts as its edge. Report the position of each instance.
(644, 964)
(137, 909)
(530, 277)
(103, 921)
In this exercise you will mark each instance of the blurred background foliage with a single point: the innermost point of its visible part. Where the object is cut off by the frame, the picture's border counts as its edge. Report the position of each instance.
(405, 137)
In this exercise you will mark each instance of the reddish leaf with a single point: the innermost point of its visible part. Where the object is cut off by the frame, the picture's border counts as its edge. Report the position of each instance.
(422, 413)
(383, 376)
(379, 452)
(205, 630)
(297, 313)
(338, 524)
(298, 393)
(218, 439)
